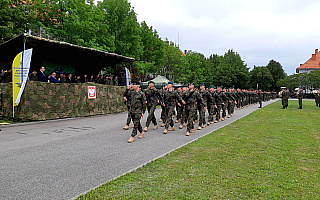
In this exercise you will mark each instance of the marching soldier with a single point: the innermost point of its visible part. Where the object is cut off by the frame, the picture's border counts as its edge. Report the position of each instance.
(137, 109)
(170, 98)
(211, 105)
(190, 100)
(260, 98)
(152, 97)
(300, 97)
(202, 106)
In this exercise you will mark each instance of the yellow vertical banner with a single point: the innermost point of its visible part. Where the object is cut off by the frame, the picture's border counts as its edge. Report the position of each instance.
(20, 71)
(16, 76)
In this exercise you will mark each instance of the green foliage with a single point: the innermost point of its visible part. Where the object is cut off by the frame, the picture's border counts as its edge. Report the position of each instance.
(15, 18)
(123, 26)
(307, 80)
(262, 77)
(277, 73)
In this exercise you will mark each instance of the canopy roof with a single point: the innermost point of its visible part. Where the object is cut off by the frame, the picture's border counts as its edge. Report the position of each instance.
(85, 60)
(159, 82)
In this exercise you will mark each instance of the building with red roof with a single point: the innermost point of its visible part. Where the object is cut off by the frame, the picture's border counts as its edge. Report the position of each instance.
(311, 65)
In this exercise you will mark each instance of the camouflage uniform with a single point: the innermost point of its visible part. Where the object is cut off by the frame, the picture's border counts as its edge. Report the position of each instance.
(191, 97)
(219, 102)
(137, 108)
(205, 98)
(260, 98)
(170, 98)
(211, 106)
(152, 97)
(300, 97)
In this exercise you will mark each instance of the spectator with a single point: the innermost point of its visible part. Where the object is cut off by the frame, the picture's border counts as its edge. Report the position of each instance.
(53, 78)
(6, 76)
(91, 79)
(116, 81)
(62, 78)
(69, 78)
(77, 79)
(85, 78)
(97, 79)
(41, 75)
(110, 80)
(33, 76)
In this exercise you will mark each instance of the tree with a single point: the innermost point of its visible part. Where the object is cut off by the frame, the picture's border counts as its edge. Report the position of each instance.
(16, 17)
(262, 77)
(277, 73)
(123, 26)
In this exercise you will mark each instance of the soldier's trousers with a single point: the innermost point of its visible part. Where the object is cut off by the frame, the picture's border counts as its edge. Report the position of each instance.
(129, 117)
(223, 107)
(170, 112)
(190, 116)
(218, 113)
(183, 116)
(163, 113)
(230, 108)
(300, 103)
(202, 115)
(151, 117)
(211, 112)
(179, 112)
(136, 117)
(260, 103)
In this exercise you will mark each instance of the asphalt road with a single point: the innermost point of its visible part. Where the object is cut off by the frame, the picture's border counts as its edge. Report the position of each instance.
(62, 159)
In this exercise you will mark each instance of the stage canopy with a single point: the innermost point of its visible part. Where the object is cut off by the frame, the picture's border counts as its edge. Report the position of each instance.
(59, 56)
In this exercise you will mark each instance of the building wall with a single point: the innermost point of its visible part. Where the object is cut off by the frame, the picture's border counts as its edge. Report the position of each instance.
(44, 101)
(305, 70)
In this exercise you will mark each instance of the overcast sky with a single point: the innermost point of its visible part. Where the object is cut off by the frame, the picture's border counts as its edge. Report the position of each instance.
(287, 31)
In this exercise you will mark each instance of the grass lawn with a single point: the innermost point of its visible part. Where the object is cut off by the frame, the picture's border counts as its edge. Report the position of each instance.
(270, 154)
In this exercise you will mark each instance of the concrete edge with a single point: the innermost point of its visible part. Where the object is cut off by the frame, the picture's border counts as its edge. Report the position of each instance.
(163, 155)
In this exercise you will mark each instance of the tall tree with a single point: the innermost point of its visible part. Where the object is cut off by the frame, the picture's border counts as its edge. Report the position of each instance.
(16, 17)
(123, 26)
(262, 77)
(277, 73)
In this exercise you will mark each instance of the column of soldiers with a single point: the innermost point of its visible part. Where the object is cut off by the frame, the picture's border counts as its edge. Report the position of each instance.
(187, 104)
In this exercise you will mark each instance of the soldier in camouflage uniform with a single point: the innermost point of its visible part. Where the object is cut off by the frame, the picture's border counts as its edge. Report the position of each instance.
(152, 97)
(179, 108)
(224, 106)
(219, 104)
(260, 98)
(137, 109)
(211, 105)
(184, 118)
(163, 108)
(231, 102)
(191, 97)
(169, 101)
(300, 97)
(127, 99)
(202, 106)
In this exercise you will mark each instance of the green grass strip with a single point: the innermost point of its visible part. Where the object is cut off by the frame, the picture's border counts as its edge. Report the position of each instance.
(270, 154)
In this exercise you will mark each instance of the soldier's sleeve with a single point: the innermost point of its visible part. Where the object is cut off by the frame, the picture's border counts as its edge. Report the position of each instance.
(200, 99)
(143, 103)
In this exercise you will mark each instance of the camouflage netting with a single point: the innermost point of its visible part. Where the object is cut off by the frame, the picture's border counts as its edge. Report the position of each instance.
(43, 101)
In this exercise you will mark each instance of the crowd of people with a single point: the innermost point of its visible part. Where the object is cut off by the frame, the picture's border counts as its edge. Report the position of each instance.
(69, 78)
(54, 77)
(187, 104)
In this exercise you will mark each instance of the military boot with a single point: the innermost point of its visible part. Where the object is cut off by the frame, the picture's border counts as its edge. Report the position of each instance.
(141, 135)
(165, 131)
(126, 127)
(160, 120)
(172, 128)
(187, 134)
(204, 125)
(155, 127)
(229, 116)
(192, 130)
(181, 126)
(131, 140)
(145, 129)
(199, 128)
(163, 125)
